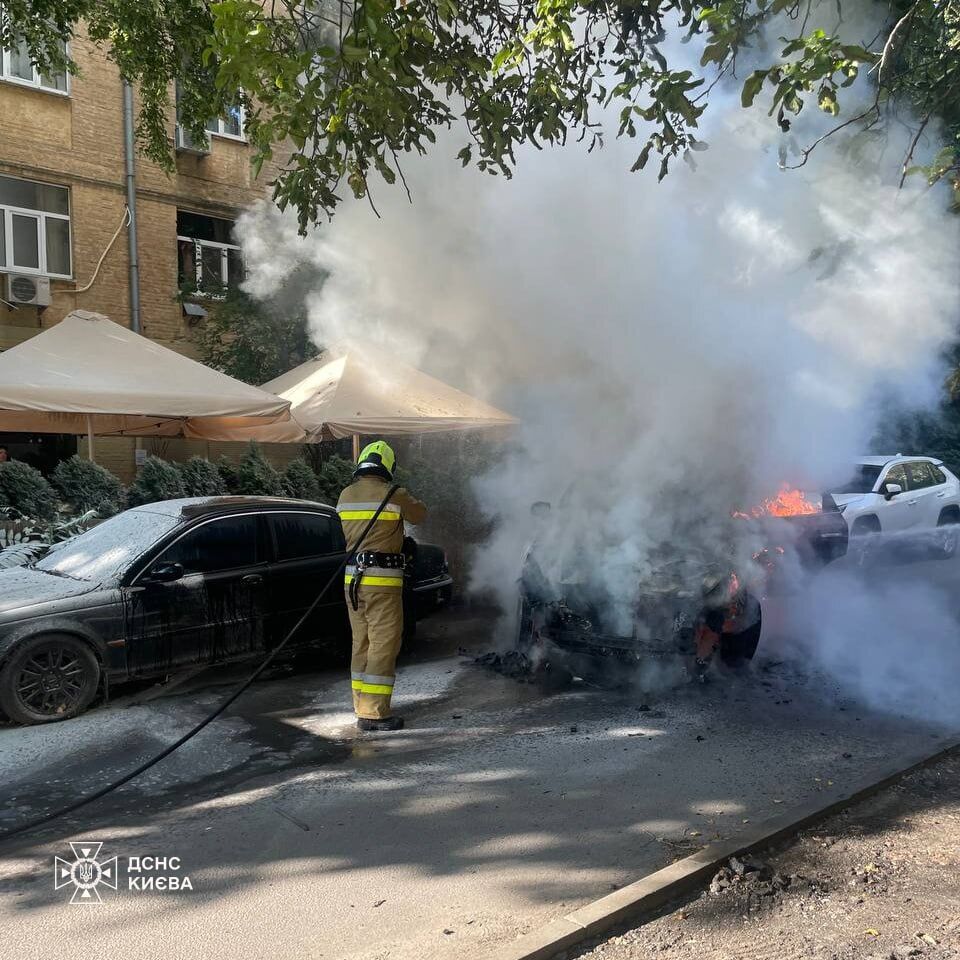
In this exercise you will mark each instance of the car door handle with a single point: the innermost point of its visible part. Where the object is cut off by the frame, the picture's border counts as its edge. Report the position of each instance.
(252, 578)
(941, 495)
(912, 503)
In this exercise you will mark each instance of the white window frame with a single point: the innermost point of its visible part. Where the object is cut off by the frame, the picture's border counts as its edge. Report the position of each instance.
(41, 217)
(37, 82)
(198, 247)
(220, 132)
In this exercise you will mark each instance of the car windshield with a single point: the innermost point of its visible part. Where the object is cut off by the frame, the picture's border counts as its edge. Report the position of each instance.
(109, 548)
(864, 477)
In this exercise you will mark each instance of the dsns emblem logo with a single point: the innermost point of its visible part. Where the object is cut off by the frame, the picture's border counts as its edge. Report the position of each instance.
(85, 872)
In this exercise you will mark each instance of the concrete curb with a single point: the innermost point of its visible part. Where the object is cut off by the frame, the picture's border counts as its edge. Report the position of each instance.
(643, 897)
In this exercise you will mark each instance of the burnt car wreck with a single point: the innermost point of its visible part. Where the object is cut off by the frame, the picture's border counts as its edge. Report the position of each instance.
(689, 607)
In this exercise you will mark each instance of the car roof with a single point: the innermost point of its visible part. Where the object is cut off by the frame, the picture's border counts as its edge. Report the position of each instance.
(883, 461)
(189, 508)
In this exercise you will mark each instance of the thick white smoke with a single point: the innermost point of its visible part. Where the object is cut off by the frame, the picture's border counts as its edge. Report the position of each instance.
(672, 351)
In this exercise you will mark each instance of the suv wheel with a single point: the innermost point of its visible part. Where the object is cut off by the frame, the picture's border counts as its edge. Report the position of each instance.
(49, 678)
(948, 533)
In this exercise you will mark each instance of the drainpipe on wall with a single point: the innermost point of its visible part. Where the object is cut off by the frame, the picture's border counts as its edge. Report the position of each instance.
(134, 258)
(128, 149)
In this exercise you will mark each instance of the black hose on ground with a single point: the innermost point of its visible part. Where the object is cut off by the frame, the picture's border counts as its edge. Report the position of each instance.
(190, 734)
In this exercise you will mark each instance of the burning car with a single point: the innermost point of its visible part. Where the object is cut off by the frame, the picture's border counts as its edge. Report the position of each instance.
(688, 604)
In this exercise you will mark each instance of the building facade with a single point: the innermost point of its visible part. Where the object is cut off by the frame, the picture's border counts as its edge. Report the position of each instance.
(63, 237)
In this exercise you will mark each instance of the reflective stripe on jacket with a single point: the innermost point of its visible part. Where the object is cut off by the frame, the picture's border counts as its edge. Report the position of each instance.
(356, 506)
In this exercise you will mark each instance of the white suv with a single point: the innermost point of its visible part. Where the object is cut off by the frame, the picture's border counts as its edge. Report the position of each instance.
(893, 494)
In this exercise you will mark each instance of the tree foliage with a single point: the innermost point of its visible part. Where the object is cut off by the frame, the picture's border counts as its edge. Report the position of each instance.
(356, 84)
(251, 340)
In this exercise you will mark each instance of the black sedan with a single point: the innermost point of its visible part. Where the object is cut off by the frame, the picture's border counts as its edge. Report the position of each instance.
(172, 584)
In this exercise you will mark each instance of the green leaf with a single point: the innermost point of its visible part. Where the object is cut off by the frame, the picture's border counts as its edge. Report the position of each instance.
(751, 87)
(641, 160)
(354, 54)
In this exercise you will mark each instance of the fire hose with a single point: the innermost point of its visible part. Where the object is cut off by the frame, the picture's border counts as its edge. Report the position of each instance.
(190, 734)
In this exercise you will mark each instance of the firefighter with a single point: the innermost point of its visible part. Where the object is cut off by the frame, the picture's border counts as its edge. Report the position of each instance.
(373, 582)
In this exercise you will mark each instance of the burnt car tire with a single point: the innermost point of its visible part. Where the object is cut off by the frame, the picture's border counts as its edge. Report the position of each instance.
(49, 678)
(523, 640)
(737, 648)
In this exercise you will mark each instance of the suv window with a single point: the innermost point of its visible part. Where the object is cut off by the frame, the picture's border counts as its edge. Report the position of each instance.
(920, 475)
(938, 475)
(897, 474)
(223, 544)
(300, 535)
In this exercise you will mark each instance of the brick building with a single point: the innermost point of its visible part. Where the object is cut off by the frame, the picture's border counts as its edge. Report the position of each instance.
(63, 198)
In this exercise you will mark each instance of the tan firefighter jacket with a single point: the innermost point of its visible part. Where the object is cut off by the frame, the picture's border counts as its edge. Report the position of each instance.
(357, 504)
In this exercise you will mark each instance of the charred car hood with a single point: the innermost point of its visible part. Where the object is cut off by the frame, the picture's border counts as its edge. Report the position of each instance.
(21, 588)
(842, 499)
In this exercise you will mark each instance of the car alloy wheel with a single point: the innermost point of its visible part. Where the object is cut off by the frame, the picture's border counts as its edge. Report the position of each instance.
(49, 678)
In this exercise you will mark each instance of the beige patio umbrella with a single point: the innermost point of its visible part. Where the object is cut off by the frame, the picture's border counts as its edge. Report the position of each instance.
(88, 375)
(348, 393)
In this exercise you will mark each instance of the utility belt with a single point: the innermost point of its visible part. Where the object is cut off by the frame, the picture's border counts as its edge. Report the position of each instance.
(374, 568)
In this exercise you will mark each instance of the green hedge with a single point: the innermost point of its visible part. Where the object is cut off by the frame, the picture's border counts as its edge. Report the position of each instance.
(157, 480)
(201, 478)
(25, 491)
(300, 481)
(256, 477)
(84, 485)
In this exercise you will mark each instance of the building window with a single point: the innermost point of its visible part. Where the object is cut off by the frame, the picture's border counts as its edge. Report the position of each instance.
(17, 67)
(210, 262)
(34, 227)
(231, 124)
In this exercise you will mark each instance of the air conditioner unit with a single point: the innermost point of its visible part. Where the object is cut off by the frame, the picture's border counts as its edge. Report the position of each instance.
(186, 144)
(24, 288)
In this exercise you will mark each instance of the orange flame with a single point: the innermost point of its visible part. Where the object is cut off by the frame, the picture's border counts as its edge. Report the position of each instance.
(787, 503)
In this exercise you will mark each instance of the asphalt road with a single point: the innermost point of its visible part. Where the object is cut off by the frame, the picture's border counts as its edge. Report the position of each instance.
(499, 808)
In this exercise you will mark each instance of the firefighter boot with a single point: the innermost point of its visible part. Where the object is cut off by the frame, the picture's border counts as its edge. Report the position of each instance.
(387, 723)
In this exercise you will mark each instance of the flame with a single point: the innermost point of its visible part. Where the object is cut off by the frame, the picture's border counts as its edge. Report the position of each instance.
(787, 503)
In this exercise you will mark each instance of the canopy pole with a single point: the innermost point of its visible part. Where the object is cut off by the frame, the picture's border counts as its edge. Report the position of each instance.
(356, 447)
(90, 452)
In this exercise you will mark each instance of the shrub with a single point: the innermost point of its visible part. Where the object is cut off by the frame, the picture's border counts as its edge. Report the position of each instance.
(300, 480)
(201, 478)
(157, 480)
(256, 477)
(85, 485)
(335, 474)
(26, 491)
(228, 474)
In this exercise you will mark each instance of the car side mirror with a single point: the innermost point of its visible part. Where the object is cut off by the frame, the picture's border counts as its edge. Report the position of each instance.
(540, 509)
(890, 490)
(164, 573)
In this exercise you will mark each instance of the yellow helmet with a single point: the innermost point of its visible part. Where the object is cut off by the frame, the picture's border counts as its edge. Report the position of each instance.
(377, 456)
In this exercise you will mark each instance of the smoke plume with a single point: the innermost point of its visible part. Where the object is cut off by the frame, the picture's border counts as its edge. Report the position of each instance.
(673, 351)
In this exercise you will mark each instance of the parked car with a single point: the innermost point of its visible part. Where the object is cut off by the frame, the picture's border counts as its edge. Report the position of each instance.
(167, 585)
(897, 494)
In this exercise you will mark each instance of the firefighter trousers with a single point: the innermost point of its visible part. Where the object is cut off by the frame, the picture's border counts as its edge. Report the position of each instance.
(377, 626)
